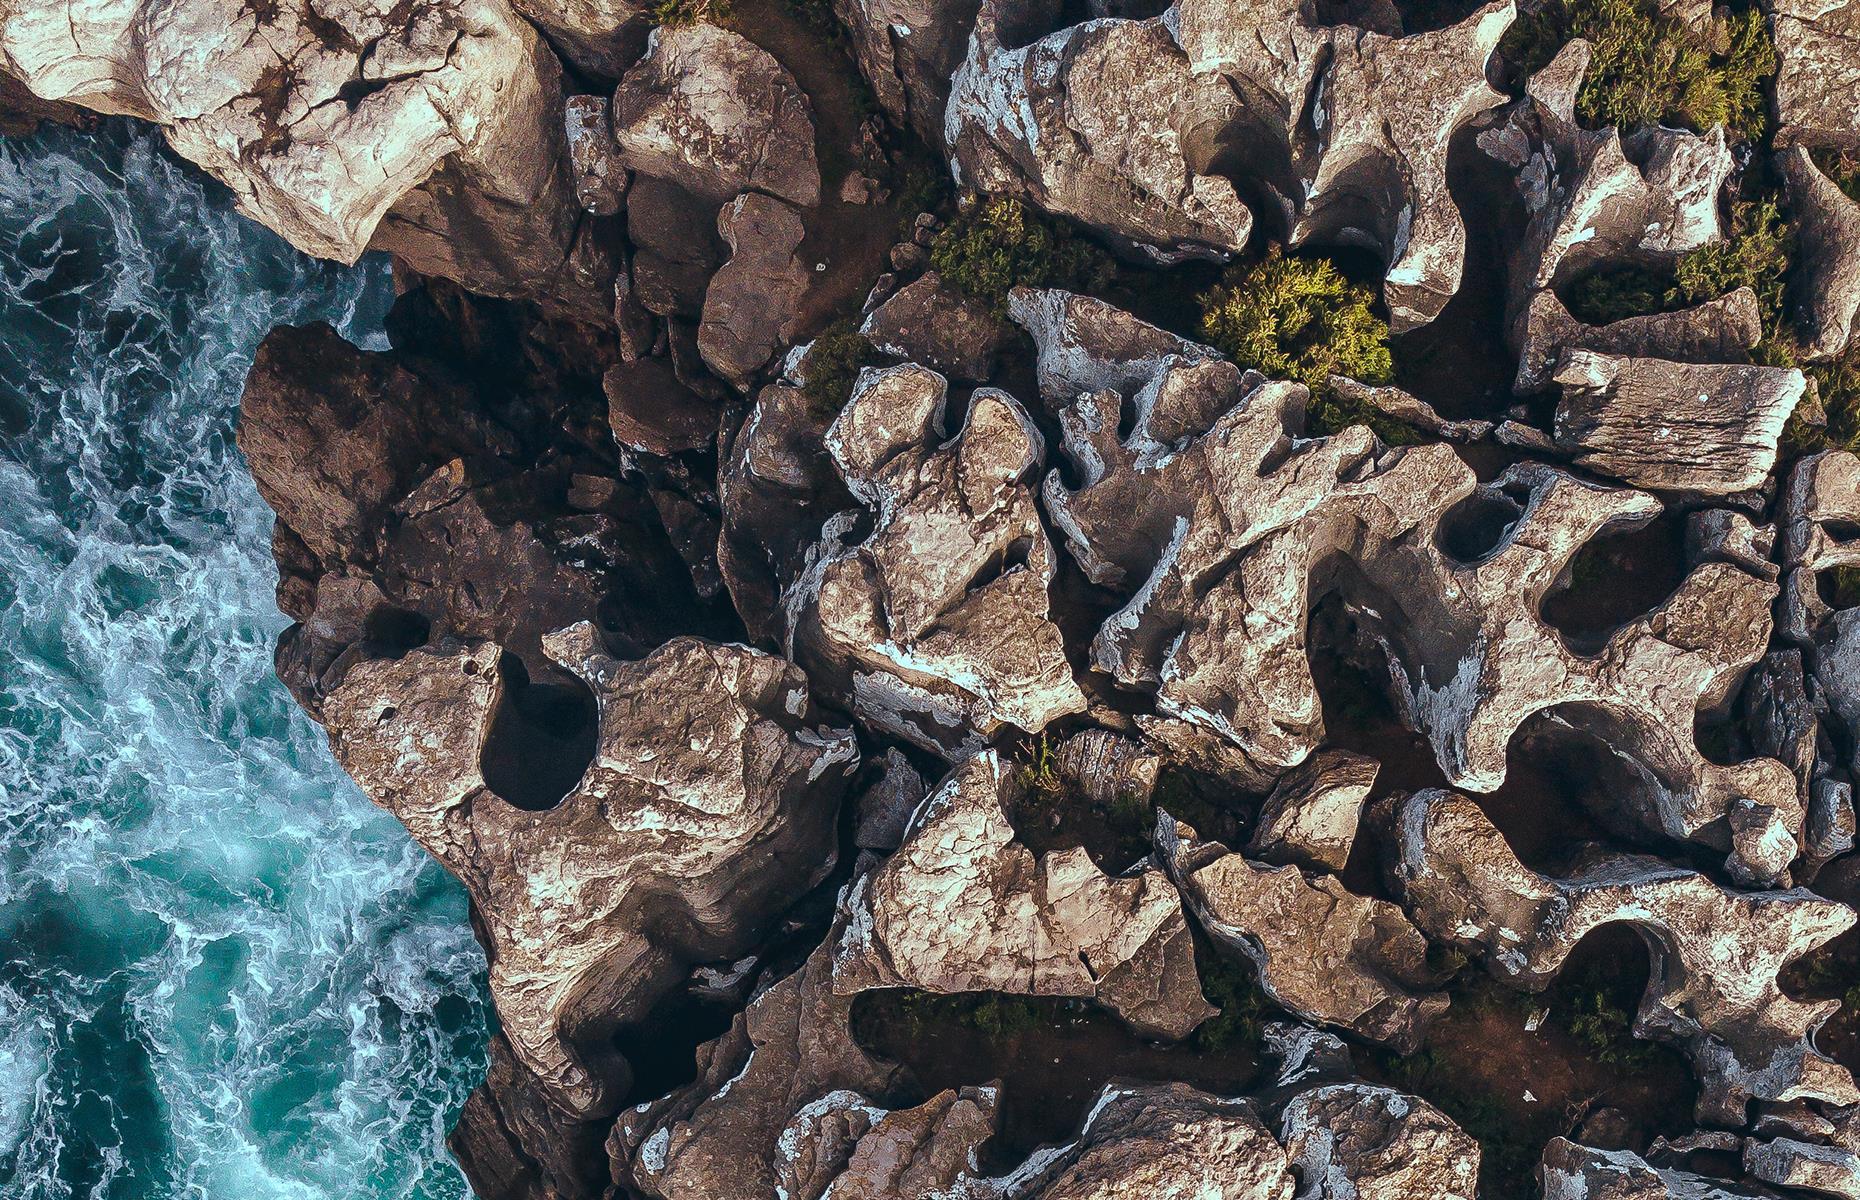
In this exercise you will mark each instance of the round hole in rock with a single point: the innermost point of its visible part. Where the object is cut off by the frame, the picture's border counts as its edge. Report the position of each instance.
(541, 739)
(1477, 525)
(1618, 577)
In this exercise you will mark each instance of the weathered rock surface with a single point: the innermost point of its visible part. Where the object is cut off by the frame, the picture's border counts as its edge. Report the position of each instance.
(964, 907)
(1711, 429)
(1221, 533)
(751, 307)
(1310, 817)
(1817, 70)
(1339, 959)
(1718, 331)
(1827, 226)
(1355, 1141)
(1819, 510)
(931, 323)
(935, 624)
(434, 132)
(1715, 953)
(1575, 1172)
(712, 112)
(908, 50)
(707, 806)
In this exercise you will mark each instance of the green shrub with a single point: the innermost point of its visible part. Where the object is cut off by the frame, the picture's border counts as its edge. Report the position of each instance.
(1842, 165)
(1615, 295)
(1754, 254)
(674, 13)
(1645, 67)
(1300, 319)
(1001, 243)
(833, 364)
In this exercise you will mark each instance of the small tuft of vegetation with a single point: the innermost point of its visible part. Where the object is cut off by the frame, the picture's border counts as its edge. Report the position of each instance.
(994, 1015)
(833, 363)
(1844, 592)
(1000, 243)
(1615, 295)
(1300, 319)
(676, 13)
(1754, 254)
(1229, 985)
(1841, 164)
(1039, 772)
(1646, 67)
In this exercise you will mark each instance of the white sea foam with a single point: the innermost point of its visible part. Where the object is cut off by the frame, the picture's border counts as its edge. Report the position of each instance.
(223, 974)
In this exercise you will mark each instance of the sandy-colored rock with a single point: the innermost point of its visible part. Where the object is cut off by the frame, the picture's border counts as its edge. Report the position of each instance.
(931, 323)
(752, 305)
(1717, 331)
(1356, 1141)
(1348, 961)
(1715, 953)
(1310, 817)
(707, 805)
(1818, 72)
(1687, 427)
(712, 112)
(935, 625)
(434, 132)
(965, 907)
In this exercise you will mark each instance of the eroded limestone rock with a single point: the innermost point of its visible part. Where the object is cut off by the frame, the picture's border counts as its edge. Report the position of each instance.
(1827, 226)
(707, 807)
(1691, 427)
(1356, 1141)
(1817, 73)
(935, 624)
(752, 305)
(434, 132)
(1311, 815)
(1575, 1172)
(1339, 959)
(965, 907)
(1715, 953)
(1718, 331)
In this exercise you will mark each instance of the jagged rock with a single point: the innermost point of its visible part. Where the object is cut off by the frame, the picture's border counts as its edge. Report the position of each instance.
(908, 50)
(845, 1147)
(1827, 226)
(1311, 816)
(1805, 1166)
(601, 38)
(1356, 1141)
(1409, 409)
(886, 806)
(650, 411)
(1323, 953)
(1715, 954)
(777, 485)
(707, 807)
(752, 305)
(712, 112)
(1349, 129)
(1718, 331)
(21, 112)
(1084, 345)
(1819, 512)
(933, 324)
(965, 907)
(723, 1134)
(935, 624)
(594, 155)
(1163, 1141)
(1220, 533)
(1104, 123)
(1574, 1172)
(514, 1142)
(1689, 427)
(435, 133)
(1817, 73)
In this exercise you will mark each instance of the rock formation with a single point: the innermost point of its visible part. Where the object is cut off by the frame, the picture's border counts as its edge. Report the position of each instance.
(963, 907)
(1715, 953)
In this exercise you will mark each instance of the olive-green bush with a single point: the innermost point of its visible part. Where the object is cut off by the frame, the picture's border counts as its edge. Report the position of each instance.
(1000, 243)
(1646, 67)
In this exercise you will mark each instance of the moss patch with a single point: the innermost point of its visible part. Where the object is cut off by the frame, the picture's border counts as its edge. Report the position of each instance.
(1001, 243)
(676, 13)
(1645, 67)
(833, 364)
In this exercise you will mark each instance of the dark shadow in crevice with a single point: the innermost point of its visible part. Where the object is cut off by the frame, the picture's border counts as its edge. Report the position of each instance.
(541, 739)
(1619, 576)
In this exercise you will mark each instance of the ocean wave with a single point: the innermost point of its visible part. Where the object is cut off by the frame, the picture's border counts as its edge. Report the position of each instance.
(222, 972)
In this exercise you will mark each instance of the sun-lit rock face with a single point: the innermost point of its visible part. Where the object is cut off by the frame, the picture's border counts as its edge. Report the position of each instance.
(707, 805)
(934, 624)
(1716, 953)
(964, 907)
(435, 132)
(1140, 130)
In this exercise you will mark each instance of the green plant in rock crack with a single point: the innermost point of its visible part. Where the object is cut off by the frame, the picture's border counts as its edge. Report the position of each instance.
(1000, 243)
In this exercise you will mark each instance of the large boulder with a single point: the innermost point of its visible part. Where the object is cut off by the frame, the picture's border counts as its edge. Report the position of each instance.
(1715, 953)
(1827, 226)
(935, 624)
(434, 132)
(707, 805)
(963, 906)
(1817, 72)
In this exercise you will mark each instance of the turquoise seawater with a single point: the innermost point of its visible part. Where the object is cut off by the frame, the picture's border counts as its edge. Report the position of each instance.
(223, 973)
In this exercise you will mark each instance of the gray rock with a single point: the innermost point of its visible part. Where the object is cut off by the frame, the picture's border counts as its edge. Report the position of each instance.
(1356, 1141)
(594, 155)
(1688, 427)
(965, 907)
(752, 305)
(930, 323)
(1574, 1172)
(1827, 226)
(935, 626)
(1348, 961)
(1715, 953)
(1311, 816)
(1718, 331)
(1817, 75)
